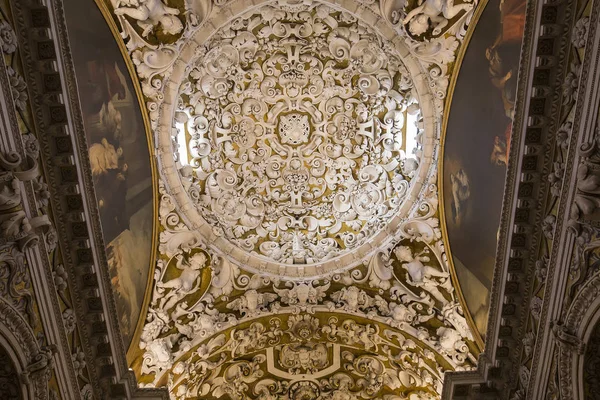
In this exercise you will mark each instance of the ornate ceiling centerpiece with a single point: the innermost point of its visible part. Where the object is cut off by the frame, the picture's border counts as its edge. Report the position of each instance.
(293, 122)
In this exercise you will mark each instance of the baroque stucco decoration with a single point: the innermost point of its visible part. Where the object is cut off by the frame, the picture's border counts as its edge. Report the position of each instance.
(300, 254)
(295, 122)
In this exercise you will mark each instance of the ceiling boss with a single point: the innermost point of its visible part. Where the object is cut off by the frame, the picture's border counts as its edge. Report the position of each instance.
(297, 132)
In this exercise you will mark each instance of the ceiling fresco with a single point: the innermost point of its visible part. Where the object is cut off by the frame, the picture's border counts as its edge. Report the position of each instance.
(119, 158)
(300, 254)
(475, 150)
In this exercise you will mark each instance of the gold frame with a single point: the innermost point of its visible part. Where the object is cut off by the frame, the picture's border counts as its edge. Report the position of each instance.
(107, 15)
(459, 59)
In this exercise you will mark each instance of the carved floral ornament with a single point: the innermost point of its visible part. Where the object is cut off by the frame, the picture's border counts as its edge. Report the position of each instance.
(292, 134)
(300, 253)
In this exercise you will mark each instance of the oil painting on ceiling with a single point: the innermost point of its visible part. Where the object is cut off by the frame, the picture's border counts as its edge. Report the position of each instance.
(118, 156)
(476, 148)
(301, 253)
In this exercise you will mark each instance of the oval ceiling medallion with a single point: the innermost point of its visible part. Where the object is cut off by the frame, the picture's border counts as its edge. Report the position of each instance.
(299, 138)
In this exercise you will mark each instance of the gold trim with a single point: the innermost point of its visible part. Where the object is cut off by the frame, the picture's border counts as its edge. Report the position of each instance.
(107, 15)
(459, 59)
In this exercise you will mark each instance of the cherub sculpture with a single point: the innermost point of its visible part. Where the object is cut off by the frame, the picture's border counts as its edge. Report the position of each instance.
(150, 13)
(302, 294)
(252, 302)
(186, 283)
(434, 12)
(422, 275)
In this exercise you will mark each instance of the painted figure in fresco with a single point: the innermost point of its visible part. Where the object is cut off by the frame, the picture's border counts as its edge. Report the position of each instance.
(110, 173)
(105, 87)
(436, 13)
(126, 298)
(103, 83)
(503, 58)
(499, 154)
(118, 155)
(460, 194)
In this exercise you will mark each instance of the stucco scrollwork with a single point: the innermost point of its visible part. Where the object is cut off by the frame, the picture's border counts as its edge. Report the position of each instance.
(322, 360)
(19, 231)
(34, 363)
(199, 297)
(295, 123)
(570, 335)
(15, 225)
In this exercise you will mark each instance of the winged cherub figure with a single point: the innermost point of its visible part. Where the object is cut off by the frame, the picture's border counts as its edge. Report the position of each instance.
(150, 13)
(186, 283)
(422, 275)
(436, 12)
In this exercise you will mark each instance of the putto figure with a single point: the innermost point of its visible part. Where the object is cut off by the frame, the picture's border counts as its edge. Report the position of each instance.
(149, 14)
(434, 13)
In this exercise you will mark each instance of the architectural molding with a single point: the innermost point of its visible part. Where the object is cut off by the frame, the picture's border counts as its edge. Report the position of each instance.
(550, 341)
(28, 236)
(51, 102)
(200, 67)
(33, 364)
(543, 57)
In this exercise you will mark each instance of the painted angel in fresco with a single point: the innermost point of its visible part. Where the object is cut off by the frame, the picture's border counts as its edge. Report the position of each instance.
(503, 57)
(436, 13)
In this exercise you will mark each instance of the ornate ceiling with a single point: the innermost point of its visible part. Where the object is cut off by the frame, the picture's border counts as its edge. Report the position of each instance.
(300, 252)
(294, 119)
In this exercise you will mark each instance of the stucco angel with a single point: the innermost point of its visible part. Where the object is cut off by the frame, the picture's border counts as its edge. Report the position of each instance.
(302, 294)
(422, 275)
(149, 14)
(450, 343)
(186, 283)
(303, 357)
(252, 302)
(434, 13)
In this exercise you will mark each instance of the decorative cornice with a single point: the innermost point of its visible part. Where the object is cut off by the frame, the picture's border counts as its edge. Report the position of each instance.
(543, 60)
(28, 236)
(62, 149)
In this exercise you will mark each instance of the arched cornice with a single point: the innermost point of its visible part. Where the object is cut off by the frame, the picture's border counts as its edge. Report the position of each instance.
(31, 362)
(579, 323)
